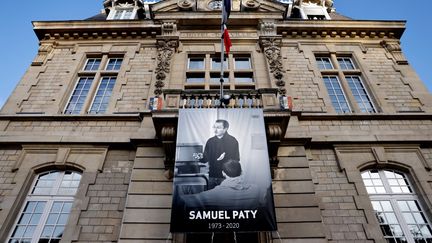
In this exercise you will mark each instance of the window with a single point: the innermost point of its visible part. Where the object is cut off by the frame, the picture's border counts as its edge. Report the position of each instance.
(324, 63)
(242, 63)
(123, 13)
(103, 94)
(92, 64)
(203, 71)
(90, 96)
(216, 63)
(336, 94)
(79, 95)
(114, 64)
(346, 63)
(196, 63)
(360, 94)
(47, 207)
(344, 84)
(396, 206)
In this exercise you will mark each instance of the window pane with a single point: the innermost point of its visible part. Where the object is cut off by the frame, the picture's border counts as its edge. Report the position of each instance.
(114, 64)
(100, 103)
(243, 77)
(215, 77)
(216, 63)
(79, 95)
(324, 63)
(397, 181)
(336, 94)
(242, 63)
(362, 98)
(196, 63)
(195, 78)
(346, 63)
(92, 64)
(387, 220)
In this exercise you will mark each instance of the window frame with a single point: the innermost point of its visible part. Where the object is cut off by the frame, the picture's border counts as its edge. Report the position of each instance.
(230, 71)
(72, 94)
(122, 11)
(116, 64)
(89, 111)
(87, 63)
(342, 74)
(343, 93)
(97, 76)
(49, 200)
(394, 199)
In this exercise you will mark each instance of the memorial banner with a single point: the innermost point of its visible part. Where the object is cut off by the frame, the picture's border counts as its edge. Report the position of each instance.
(222, 178)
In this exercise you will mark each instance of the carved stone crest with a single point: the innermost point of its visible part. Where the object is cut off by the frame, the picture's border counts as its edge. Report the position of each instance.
(250, 4)
(272, 51)
(166, 49)
(185, 4)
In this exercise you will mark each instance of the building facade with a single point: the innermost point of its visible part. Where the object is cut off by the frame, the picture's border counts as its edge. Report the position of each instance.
(87, 155)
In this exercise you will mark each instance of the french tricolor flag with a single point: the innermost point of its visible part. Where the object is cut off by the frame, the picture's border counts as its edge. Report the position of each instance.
(225, 15)
(227, 40)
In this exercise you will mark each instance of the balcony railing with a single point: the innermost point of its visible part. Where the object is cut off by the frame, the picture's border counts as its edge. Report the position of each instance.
(201, 99)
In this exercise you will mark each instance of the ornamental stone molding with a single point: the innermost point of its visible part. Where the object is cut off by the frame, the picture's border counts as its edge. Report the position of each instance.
(186, 5)
(166, 50)
(272, 50)
(169, 28)
(43, 52)
(267, 28)
(250, 5)
(395, 49)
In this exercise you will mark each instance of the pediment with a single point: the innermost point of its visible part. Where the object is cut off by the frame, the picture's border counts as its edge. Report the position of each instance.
(165, 6)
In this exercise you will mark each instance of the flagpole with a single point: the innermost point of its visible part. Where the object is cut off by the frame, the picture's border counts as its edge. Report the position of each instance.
(222, 55)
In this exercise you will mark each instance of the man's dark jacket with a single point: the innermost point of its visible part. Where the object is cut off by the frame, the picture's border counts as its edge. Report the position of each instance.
(214, 148)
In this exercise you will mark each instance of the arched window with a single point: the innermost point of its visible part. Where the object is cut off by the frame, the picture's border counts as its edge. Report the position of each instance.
(46, 208)
(397, 207)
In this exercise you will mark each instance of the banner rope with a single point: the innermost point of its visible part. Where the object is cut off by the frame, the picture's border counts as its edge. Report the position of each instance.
(280, 239)
(168, 237)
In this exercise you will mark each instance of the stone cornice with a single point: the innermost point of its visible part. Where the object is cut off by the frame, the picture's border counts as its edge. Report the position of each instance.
(341, 28)
(95, 29)
(368, 117)
(44, 117)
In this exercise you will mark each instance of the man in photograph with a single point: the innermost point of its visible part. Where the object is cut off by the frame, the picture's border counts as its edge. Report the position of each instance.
(218, 150)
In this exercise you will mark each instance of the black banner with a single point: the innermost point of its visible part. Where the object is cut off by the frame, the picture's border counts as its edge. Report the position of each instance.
(222, 178)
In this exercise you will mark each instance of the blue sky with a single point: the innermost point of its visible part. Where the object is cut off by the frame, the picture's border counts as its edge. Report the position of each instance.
(18, 43)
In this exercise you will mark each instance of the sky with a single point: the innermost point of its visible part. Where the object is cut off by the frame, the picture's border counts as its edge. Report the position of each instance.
(18, 43)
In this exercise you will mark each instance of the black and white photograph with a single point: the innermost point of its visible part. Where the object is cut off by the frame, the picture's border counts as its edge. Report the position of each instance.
(222, 178)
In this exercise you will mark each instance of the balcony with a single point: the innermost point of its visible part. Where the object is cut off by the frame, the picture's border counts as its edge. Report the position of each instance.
(204, 99)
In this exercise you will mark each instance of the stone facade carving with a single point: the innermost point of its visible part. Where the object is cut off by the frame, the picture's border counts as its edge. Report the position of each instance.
(250, 5)
(166, 49)
(186, 4)
(272, 51)
(169, 28)
(267, 28)
(395, 49)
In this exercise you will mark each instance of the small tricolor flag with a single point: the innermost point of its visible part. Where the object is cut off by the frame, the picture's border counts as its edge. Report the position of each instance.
(227, 40)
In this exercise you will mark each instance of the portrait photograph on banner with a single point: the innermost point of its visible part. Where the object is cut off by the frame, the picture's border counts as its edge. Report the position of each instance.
(222, 180)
